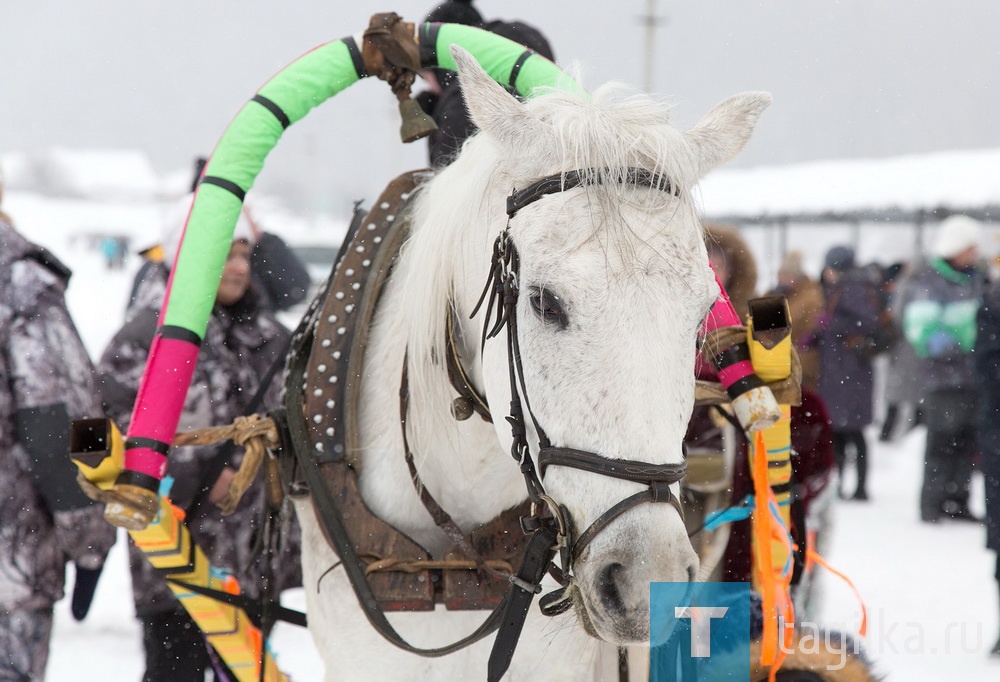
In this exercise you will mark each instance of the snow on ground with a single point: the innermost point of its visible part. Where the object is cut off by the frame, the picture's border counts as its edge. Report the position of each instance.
(932, 600)
(107, 645)
(929, 589)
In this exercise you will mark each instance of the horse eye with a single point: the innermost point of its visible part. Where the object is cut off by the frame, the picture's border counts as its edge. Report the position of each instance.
(546, 305)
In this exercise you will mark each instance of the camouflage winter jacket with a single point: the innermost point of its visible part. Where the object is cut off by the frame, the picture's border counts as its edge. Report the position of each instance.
(46, 380)
(240, 345)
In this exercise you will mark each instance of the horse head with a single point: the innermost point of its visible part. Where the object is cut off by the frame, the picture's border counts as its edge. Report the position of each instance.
(613, 284)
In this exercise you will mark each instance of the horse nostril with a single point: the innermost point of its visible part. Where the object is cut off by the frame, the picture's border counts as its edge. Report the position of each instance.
(607, 588)
(692, 573)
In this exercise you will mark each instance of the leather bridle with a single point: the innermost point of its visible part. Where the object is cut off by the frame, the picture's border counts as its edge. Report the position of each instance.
(319, 448)
(500, 296)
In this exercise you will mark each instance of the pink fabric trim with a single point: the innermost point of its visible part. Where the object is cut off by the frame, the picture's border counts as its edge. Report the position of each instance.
(146, 461)
(723, 314)
(158, 406)
(730, 375)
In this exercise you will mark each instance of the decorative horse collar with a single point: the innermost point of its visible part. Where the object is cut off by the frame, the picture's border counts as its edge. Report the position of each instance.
(387, 570)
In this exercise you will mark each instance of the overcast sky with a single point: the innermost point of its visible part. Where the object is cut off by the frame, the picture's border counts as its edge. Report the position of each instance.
(851, 78)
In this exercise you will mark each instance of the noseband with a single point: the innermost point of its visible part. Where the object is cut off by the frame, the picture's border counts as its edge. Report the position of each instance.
(500, 295)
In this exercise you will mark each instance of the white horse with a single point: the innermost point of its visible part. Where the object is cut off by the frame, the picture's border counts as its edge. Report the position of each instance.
(615, 283)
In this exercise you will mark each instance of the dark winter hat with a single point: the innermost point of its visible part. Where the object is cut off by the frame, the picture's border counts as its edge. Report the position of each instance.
(175, 219)
(522, 33)
(456, 12)
(892, 272)
(840, 258)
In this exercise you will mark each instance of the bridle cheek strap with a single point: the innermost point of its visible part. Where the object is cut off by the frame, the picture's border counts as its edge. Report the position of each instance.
(500, 296)
(659, 478)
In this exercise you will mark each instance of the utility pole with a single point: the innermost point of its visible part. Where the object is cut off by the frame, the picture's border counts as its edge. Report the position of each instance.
(650, 21)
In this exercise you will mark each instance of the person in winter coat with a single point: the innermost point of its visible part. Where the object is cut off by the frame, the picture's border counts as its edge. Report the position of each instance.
(46, 380)
(812, 472)
(805, 304)
(443, 101)
(903, 385)
(812, 461)
(987, 362)
(939, 304)
(279, 276)
(242, 341)
(850, 316)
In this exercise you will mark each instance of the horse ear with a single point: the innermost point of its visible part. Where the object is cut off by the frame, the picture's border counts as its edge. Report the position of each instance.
(723, 132)
(494, 110)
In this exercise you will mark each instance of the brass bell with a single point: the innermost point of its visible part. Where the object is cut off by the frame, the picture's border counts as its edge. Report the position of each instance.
(416, 124)
(461, 408)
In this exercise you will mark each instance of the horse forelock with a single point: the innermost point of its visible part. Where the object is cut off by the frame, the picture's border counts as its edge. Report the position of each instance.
(614, 129)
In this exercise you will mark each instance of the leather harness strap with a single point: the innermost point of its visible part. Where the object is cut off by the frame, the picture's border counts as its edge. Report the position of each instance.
(525, 585)
(317, 436)
(561, 182)
(441, 518)
(469, 400)
(659, 478)
(625, 469)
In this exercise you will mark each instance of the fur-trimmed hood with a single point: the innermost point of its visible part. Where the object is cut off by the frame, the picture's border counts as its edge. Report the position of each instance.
(742, 268)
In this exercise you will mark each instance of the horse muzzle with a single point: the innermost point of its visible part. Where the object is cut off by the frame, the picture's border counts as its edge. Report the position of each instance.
(611, 585)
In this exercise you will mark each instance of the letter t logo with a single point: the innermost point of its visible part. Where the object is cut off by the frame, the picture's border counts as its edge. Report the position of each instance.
(701, 626)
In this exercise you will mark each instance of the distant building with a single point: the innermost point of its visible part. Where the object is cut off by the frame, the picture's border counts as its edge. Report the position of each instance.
(886, 208)
(100, 174)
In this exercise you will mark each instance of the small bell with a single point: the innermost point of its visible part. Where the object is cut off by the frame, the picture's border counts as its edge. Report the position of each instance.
(416, 124)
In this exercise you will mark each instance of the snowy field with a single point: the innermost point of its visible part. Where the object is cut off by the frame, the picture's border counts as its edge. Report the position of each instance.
(929, 589)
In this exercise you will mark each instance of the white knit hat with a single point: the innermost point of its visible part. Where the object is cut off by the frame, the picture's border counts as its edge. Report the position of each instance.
(956, 234)
(173, 228)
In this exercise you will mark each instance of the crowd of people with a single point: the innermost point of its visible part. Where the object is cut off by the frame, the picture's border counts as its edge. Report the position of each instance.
(923, 317)
(48, 379)
(937, 322)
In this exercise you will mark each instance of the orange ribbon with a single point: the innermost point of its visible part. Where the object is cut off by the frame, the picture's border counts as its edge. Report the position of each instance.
(774, 583)
(813, 556)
